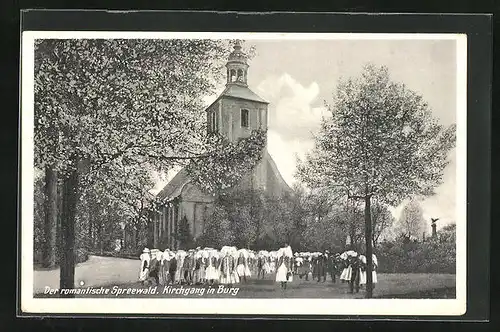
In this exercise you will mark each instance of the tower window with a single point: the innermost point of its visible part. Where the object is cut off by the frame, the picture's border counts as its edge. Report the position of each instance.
(232, 75)
(244, 118)
(240, 75)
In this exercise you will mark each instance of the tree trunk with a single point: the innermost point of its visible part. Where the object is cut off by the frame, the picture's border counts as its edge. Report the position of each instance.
(155, 231)
(369, 251)
(50, 225)
(69, 200)
(101, 238)
(92, 231)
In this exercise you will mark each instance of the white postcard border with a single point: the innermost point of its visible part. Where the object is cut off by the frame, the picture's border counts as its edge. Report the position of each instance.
(430, 307)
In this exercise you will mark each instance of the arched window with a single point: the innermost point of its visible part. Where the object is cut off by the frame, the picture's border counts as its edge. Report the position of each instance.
(233, 75)
(244, 118)
(212, 122)
(240, 75)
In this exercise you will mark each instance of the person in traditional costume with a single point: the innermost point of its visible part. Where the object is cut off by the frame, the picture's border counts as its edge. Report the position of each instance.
(203, 267)
(154, 266)
(345, 276)
(161, 272)
(296, 263)
(332, 266)
(260, 266)
(354, 263)
(144, 271)
(235, 255)
(242, 266)
(227, 267)
(315, 266)
(211, 272)
(308, 266)
(179, 272)
(321, 267)
(172, 268)
(198, 261)
(272, 262)
(299, 262)
(285, 266)
(363, 268)
(304, 267)
(189, 266)
(374, 270)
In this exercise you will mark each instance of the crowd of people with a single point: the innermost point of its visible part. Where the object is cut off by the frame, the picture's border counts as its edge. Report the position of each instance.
(230, 265)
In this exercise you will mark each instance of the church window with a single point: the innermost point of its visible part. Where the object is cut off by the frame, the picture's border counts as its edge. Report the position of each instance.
(212, 122)
(240, 75)
(244, 118)
(232, 75)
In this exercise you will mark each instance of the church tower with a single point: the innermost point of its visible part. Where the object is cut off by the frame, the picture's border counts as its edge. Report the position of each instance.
(235, 113)
(238, 110)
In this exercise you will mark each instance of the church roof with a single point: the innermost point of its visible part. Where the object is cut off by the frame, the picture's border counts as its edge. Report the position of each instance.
(174, 187)
(242, 92)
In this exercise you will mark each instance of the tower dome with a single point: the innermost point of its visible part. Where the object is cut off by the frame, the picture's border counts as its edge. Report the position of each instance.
(237, 66)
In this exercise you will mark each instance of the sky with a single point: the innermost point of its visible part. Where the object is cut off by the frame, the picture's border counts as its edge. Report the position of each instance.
(297, 77)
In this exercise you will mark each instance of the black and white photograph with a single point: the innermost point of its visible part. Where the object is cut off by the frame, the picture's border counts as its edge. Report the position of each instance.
(258, 173)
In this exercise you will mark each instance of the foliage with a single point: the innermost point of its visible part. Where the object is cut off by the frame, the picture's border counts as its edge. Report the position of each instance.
(249, 218)
(38, 220)
(381, 140)
(225, 163)
(216, 232)
(382, 221)
(114, 110)
(435, 255)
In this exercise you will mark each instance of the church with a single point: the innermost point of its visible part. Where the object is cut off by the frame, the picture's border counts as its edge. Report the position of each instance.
(235, 113)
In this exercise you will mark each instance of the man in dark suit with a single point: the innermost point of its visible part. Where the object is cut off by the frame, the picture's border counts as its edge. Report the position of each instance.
(172, 268)
(354, 282)
(332, 266)
(321, 267)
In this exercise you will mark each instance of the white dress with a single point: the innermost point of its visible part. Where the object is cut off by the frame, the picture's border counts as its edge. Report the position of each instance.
(362, 277)
(346, 273)
(227, 275)
(211, 271)
(266, 267)
(281, 273)
(179, 276)
(243, 270)
(272, 266)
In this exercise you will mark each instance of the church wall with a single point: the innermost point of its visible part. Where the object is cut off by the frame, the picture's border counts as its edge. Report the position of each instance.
(195, 205)
(195, 213)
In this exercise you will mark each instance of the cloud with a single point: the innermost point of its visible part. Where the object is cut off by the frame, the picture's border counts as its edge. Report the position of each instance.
(292, 120)
(284, 153)
(291, 114)
(442, 205)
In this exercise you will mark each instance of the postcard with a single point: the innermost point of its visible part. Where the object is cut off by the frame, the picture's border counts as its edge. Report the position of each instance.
(243, 173)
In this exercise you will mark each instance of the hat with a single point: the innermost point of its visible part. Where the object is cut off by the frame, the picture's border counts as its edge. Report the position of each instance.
(145, 250)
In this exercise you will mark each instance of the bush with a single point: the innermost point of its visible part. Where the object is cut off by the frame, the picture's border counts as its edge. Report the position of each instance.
(432, 256)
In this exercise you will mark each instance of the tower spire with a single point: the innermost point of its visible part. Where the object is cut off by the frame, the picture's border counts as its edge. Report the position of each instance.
(237, 66)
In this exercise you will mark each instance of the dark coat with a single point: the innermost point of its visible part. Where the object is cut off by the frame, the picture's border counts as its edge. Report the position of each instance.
(173, 266)
(321, 265)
